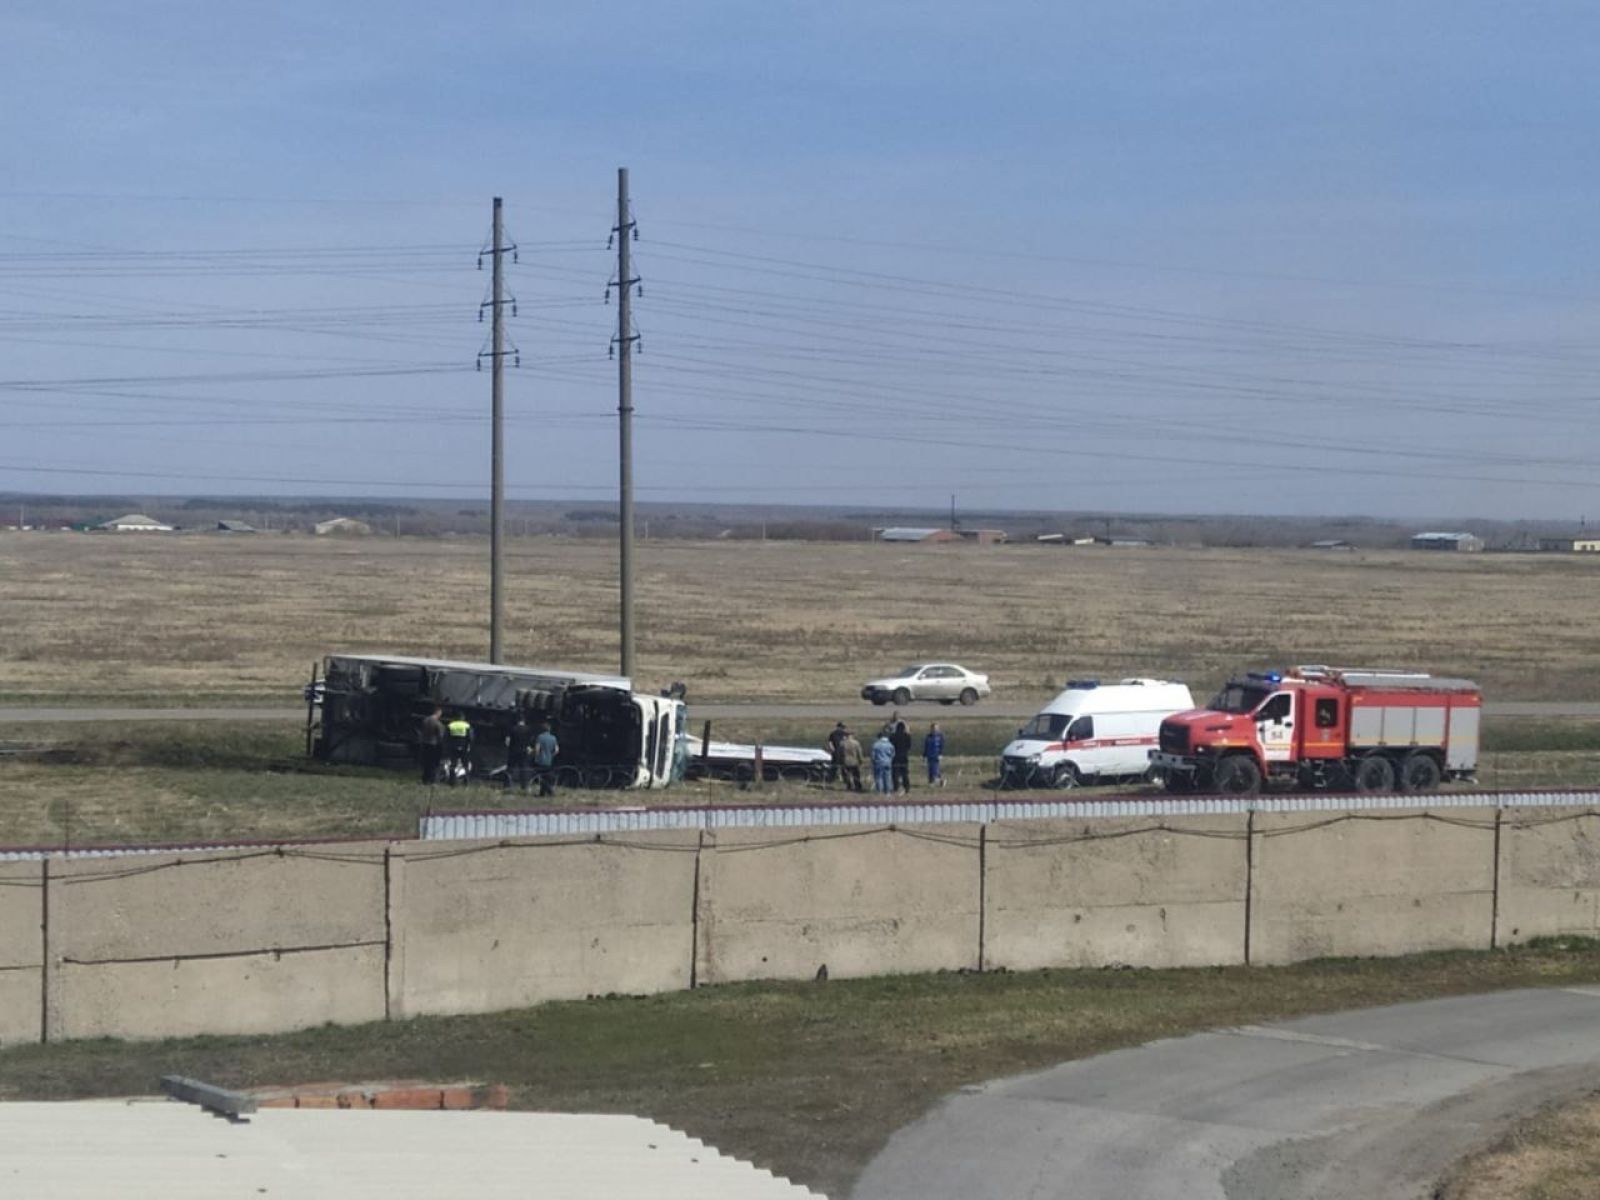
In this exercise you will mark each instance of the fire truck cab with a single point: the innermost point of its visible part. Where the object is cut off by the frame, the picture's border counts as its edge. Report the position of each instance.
(1324, 727)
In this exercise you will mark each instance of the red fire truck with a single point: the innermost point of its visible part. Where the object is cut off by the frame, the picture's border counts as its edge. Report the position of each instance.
(1324, 727)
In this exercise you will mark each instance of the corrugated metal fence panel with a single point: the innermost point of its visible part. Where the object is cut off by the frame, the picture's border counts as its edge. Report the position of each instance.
(555, 822)
(587, 822)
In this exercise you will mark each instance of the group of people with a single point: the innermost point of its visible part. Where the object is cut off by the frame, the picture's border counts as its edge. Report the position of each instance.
(447, 744)
(890, 757)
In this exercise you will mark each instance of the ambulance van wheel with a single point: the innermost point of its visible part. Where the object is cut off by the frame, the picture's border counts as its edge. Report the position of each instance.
(1065, 776)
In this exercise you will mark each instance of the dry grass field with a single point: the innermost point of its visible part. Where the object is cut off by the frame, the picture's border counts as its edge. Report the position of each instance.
(146, 617)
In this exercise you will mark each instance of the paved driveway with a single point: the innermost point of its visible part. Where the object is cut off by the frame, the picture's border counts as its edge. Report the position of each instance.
(1354, 1106)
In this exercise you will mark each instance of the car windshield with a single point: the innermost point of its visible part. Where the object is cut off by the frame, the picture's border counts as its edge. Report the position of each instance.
(1046, 725)
(1239, 698)
(906, 673)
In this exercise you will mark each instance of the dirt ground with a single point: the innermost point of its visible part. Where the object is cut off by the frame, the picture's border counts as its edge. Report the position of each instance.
(208, 617)
(1554, 1155)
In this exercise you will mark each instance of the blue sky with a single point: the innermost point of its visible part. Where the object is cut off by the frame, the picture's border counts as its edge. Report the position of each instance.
(1132, 256)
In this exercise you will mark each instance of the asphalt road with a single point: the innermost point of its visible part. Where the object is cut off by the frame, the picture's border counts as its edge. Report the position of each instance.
(1352, 1106)
(846, 711)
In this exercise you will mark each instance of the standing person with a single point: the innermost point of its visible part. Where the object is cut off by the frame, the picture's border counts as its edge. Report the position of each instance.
(519, 754)
(900, 739)
(933, 751)
(836, 754)
(882, 764)
(458, 736)
(545, 749)
(430, 741)
(850, 756)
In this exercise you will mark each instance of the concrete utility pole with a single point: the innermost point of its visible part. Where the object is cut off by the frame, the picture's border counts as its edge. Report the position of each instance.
(625, 233)
(497, 478)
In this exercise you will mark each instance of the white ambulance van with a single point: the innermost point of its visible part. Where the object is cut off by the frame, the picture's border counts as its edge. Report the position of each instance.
(1092, 731)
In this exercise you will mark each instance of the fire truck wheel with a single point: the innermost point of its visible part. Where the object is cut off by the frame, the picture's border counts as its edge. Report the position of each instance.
(1065, 776)
(1419, 773)
(1179, 783)
(1238, 776)
(1375, 773)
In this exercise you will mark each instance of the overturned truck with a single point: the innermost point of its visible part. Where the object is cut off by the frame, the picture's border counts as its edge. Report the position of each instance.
(367, 709)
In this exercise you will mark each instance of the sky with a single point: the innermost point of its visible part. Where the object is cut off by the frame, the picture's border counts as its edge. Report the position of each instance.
(1143, 257)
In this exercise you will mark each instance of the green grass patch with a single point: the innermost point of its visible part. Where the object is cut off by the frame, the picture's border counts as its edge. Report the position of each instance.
(807, 1078)
(1526, 735)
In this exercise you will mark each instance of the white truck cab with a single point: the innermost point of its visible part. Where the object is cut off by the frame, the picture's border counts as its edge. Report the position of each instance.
(1092, 731)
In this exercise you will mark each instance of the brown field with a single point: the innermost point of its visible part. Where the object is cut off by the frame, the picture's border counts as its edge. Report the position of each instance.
(140, 617)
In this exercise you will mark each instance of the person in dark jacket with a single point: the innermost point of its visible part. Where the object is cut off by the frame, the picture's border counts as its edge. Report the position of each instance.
(932, 752)
(901, 740)
(519, 755)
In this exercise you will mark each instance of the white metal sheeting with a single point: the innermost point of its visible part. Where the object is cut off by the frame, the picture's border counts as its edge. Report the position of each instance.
(149, 1149)
(557, 822)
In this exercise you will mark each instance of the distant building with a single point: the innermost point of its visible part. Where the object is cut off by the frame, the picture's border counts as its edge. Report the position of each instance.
(347, 526)
(234, 527)
(1121, 541)
(1064, 539)
(908, 533)
(984, 537)
(135, 523)
(1331, 544)
(1572, 543)
(1446, 541)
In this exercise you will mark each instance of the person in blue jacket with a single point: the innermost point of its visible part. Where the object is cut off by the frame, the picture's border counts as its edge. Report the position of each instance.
(933, 751)
(882, 764)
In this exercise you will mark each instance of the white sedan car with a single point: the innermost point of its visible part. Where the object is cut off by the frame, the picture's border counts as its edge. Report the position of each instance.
(944, 682)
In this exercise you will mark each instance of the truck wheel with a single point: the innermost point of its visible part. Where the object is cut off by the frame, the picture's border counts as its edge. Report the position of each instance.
(901, 696)
(1419, 773)
(1375, 773)
(1065, 776)
(1179, 783)
(969, 697)
(1238, 776)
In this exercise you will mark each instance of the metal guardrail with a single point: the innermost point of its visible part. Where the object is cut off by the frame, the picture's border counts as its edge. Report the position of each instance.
(567, 821)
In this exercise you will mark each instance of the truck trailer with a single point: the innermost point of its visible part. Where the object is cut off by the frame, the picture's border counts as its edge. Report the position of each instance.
(1338, 728)
(367, 709)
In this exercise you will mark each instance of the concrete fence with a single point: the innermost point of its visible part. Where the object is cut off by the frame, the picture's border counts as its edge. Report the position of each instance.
(265, 940)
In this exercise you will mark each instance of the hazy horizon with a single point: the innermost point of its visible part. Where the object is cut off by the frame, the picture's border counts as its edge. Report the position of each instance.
(1210, 260)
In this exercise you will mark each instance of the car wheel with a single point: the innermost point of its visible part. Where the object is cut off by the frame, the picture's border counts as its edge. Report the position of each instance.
(969, 697)
(901, 696)
(879, 699)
